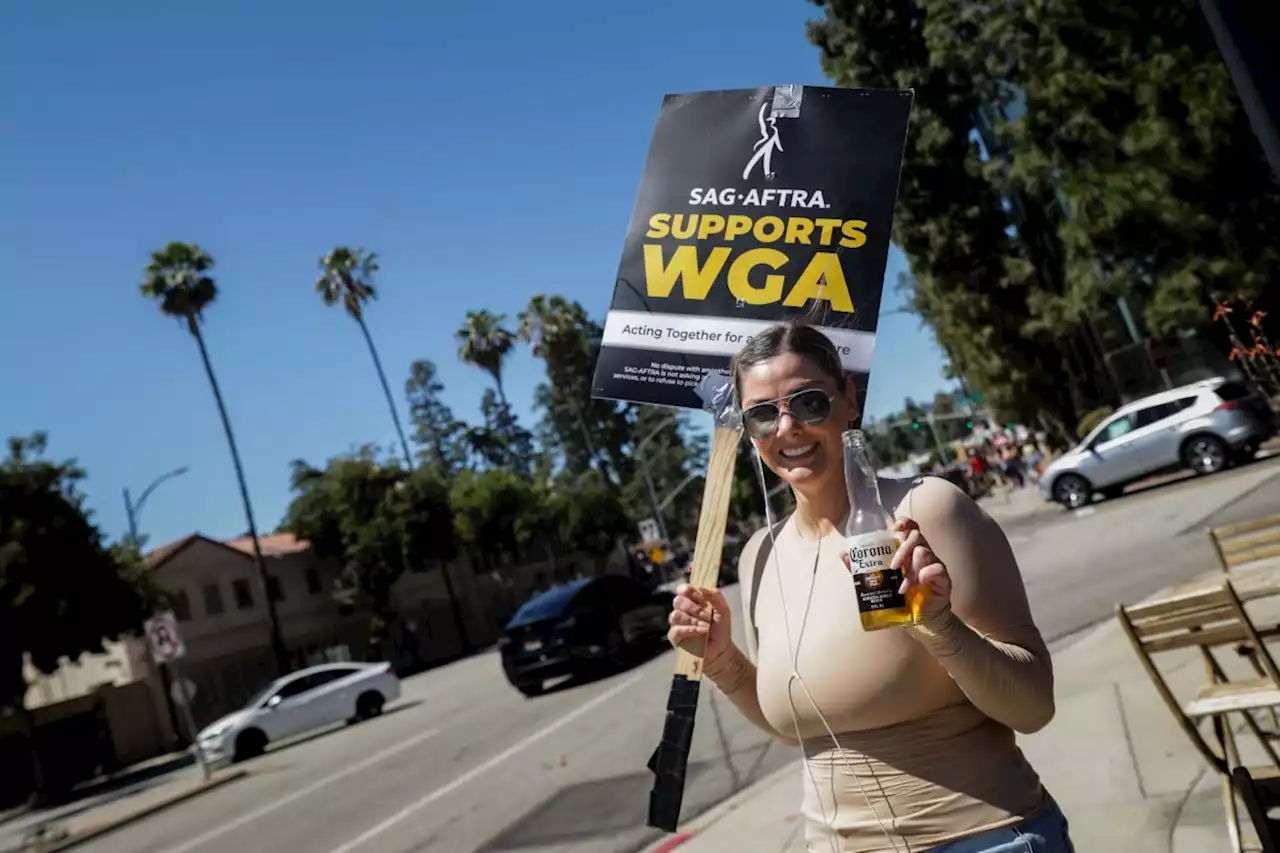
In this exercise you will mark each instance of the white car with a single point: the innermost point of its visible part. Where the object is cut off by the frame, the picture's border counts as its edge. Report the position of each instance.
(300, 702)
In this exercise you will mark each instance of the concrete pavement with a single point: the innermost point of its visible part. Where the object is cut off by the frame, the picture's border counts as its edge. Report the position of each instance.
(468, 765)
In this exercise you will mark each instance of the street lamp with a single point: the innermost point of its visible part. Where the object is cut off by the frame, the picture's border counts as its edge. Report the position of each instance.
(131, 508)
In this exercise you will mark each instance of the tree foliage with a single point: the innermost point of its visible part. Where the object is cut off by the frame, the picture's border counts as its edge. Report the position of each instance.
(62, 589)
(376, 520)
(1063, 155)
(436, 432)
(346, 278)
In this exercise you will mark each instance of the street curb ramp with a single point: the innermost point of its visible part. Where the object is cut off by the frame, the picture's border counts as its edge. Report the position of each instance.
(54, 845)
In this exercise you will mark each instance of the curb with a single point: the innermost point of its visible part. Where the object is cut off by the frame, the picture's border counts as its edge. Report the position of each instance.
(718, 812)
(103, 828)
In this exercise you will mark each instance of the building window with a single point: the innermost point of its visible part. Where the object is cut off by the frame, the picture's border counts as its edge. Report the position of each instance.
(243, 593)
(212, 600)
(181, 607)
(274, 588)
(313, 581)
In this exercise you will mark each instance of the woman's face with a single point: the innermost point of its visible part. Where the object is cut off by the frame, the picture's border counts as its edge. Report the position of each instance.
(808, 456)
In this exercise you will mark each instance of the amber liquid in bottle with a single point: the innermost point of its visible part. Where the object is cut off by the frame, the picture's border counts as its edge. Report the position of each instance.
(871, 544)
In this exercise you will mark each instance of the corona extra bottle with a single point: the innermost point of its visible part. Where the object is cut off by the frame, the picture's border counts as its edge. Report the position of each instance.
(871, 544)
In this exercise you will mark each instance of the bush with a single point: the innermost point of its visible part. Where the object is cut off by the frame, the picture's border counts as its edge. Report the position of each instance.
(1090, 421)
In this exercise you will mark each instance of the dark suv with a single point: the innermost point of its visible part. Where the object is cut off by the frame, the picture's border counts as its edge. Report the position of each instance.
(586, 624)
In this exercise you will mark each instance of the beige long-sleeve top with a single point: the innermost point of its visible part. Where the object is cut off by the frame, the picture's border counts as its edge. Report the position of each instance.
(924, 717)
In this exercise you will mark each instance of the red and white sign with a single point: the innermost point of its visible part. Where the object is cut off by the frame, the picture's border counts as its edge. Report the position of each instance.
(163, 637)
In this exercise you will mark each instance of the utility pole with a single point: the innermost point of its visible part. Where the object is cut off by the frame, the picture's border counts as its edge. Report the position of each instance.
(648, 478)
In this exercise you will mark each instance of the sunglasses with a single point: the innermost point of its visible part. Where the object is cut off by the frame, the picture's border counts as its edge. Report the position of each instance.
(811, 406)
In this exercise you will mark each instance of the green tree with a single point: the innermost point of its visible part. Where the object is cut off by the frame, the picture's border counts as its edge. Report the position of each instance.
(346, 276)
(484, 342)
(496, 515)
(581, 430)
(435, 430)
(377, 520)
(62, 590)
(972, 280)
(178, 280)
(587, 515)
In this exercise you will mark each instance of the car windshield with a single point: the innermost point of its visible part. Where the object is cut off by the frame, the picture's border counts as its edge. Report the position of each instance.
(548, 605)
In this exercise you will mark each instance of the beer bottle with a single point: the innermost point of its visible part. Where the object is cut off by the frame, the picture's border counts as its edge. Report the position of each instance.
(871, 544)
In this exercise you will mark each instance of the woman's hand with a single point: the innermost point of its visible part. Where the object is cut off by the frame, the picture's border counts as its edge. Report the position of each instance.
(700, 622)
(921, 567)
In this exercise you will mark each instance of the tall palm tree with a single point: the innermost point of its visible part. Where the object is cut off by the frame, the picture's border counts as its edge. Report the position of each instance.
(178, 280)
(346, 276)
(484, 343)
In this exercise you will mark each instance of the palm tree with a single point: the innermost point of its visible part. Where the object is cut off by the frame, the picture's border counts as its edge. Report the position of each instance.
(177, 278)
(347, 276)
(484, 343)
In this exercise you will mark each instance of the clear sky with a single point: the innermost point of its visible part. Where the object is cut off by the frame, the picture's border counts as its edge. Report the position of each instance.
(486, 151)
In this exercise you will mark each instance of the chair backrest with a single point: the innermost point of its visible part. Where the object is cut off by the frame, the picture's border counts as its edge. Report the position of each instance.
(1247, 542)
(1201, 620)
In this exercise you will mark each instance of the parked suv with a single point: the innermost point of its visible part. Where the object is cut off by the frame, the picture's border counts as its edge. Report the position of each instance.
(1204, 426)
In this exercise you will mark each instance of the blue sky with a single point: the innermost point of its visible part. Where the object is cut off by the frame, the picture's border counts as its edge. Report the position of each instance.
(487, 152)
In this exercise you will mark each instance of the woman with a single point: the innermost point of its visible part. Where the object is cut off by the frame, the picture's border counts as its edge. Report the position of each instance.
(908, 733)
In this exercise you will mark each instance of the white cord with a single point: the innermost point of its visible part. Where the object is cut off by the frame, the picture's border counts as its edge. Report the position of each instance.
(794, 654)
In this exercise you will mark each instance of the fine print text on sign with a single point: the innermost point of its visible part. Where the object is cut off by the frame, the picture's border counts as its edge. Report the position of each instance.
(163, 638)
(755, 205)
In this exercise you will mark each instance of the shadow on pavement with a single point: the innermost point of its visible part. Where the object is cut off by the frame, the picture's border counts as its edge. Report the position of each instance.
(619, 805)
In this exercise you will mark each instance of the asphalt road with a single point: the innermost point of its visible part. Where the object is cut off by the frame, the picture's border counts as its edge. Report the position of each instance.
(466, 764)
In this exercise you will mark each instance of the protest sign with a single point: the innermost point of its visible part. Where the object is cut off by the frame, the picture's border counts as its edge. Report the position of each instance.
(755, 205)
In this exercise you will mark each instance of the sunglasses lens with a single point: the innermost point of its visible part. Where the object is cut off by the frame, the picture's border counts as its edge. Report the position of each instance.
(811, 406)
(760, 420)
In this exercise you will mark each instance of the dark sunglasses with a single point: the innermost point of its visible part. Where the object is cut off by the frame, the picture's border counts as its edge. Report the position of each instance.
(812, 406)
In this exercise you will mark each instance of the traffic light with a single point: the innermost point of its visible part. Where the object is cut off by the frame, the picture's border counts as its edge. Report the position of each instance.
(915, 424)
(968, 424)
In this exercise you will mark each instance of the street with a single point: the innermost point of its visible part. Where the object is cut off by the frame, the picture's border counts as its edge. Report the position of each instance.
(466, 764)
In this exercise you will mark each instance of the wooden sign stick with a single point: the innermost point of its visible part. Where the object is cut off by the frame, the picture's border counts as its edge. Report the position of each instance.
(670, 760)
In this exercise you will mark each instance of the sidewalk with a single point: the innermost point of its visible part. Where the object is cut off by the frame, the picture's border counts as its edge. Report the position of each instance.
(59, 829)
(1124, 773)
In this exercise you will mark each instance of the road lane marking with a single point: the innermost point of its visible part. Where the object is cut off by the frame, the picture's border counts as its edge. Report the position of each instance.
(249, 817)
(445, 790)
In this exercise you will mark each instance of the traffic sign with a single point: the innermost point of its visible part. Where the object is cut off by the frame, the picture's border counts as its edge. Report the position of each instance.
(163, 637)
(649, 530)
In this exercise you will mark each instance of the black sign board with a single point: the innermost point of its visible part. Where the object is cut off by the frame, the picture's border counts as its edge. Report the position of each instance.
(755, 205)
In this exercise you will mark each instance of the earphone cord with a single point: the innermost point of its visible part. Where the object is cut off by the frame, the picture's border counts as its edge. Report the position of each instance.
(793, 653)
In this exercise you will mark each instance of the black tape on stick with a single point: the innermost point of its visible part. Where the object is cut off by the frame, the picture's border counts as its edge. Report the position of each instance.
(670, 761)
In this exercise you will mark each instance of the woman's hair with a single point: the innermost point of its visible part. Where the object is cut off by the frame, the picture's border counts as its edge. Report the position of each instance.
(793, 336)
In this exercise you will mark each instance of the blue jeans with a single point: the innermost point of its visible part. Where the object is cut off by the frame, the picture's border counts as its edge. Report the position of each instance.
(1045, 833)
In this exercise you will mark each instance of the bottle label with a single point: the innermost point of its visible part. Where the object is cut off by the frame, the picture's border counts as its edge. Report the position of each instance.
(874, 582)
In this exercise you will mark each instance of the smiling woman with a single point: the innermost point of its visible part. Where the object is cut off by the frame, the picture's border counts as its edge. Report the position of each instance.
(908, 733)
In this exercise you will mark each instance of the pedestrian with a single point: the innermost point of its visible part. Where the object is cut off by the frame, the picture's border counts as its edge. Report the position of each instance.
(908, 734)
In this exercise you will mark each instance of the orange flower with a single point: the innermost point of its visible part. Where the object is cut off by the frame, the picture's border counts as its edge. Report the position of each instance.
(1220, 310)
(1256, 320)
(1236, 352)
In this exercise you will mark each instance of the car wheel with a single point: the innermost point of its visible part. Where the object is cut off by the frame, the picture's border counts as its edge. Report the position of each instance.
(249, 744)
(1072, 491)
(530, 690)
(369, 705)
(1205, 454)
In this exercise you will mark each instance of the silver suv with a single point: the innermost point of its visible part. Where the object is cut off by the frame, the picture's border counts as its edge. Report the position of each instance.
(1203, 426)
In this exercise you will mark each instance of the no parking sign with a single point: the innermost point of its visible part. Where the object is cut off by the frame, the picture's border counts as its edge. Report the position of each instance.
(163, 637)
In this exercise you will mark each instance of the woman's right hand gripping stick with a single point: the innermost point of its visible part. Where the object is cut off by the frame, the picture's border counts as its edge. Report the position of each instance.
(701, 622)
